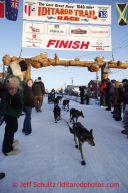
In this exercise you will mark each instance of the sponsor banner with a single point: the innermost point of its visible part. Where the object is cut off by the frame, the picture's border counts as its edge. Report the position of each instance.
(66, 12)
(66, 37)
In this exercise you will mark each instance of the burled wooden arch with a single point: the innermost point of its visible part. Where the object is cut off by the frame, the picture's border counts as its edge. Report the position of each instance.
(42, 60)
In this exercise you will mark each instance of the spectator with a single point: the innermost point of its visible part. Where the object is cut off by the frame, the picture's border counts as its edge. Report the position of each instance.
(39, 90)
(12, 108)
(118, 95)
(124, 81)
(112, 94)
(87, 99)
(28, 105)
(81, 88)
(125, 103)
(102, 93)
(108, 94)
(52, 94)
(18, 70)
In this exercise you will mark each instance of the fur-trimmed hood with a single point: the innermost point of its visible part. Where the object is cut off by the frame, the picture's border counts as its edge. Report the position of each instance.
(15, 69)
(37, 80)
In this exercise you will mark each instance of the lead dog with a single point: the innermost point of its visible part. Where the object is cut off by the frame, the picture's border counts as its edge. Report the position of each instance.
(65, 104)
(74, 114)
(83, 135)
(56, 112)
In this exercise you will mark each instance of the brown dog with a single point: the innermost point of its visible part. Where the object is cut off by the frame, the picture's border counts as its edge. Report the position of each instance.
(57, 112)
(74, 114)
(83, 135)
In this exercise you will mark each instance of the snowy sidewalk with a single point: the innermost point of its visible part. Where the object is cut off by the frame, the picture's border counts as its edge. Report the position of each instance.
(49, 157)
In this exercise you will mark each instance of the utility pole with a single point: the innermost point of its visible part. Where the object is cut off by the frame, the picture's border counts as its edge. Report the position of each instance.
(71, 84)
(64, 86)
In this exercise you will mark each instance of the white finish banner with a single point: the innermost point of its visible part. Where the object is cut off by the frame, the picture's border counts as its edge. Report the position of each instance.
(66, 37)
(66, 12)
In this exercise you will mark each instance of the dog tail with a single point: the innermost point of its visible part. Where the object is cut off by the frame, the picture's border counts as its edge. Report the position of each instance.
(71, 130)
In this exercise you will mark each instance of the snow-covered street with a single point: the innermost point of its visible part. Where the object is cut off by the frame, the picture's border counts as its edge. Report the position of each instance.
(49, 157)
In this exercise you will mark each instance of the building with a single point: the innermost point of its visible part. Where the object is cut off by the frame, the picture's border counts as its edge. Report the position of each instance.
(93, 86)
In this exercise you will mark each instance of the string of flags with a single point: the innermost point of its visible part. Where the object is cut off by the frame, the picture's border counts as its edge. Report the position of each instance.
(9, 9)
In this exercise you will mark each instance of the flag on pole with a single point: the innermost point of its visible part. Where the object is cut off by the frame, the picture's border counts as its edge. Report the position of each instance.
(1, 8)
(11, 9)
(122, 13)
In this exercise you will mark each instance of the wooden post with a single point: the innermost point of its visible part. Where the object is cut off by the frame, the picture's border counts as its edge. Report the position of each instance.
(104, 75)
(28, 73)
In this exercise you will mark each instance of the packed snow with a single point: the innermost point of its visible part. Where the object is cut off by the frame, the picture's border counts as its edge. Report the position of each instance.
(50, 163)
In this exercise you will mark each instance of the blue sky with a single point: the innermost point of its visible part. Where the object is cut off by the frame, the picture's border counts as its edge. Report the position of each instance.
(57, 77)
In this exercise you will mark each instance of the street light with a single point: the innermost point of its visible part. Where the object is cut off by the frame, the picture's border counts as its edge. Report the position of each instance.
(64, 86)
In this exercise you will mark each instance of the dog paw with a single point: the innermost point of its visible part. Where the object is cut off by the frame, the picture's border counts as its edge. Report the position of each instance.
(83, 162)
(76, 146)
(55, 121)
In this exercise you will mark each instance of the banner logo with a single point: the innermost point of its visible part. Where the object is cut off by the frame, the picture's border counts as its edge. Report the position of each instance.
(30, 9)
(78, 31)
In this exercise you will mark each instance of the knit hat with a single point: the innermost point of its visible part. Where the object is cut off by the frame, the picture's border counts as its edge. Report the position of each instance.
(13, 83)
(113, 81)
(39, 78)
(124, 80)
(23, 65)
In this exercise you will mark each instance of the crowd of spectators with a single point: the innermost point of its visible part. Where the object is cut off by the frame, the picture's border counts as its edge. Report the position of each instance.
(114, 95)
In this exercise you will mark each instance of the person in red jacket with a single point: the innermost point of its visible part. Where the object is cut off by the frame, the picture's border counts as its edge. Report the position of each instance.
(102, 86)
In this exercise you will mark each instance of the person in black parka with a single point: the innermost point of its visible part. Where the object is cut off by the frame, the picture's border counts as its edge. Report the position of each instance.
(81, 88)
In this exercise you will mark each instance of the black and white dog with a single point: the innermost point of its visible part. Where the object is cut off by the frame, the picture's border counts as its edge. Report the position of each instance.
(65, 104)
(74, 114)
(59, 99)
